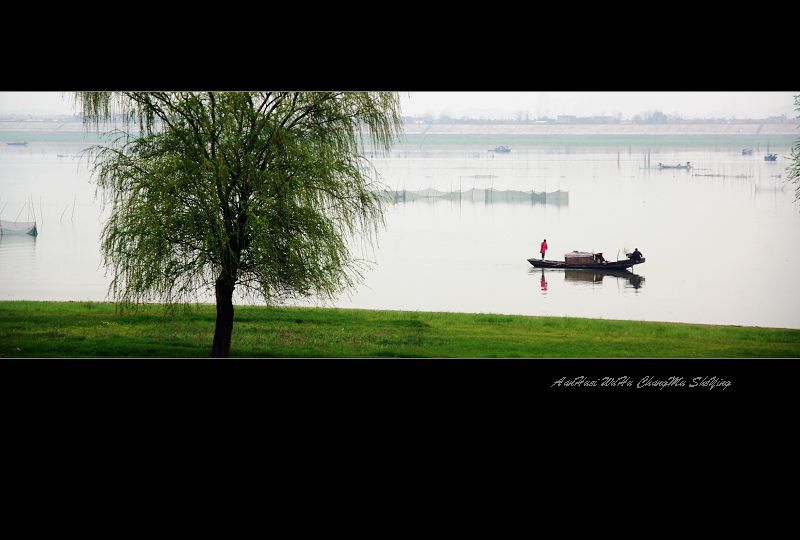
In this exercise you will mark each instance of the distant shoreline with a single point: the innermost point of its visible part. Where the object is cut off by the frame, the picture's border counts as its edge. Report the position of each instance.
(689, 128)
(422, 135)
(753, 129)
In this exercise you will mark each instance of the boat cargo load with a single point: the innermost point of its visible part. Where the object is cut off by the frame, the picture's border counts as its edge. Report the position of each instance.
(579, 258)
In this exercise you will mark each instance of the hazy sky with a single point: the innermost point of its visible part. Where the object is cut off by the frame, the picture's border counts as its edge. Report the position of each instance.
(686, 104)
(508, 104)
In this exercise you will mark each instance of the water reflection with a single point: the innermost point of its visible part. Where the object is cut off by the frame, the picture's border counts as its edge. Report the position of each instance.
(18, 256)
(596, 277)
(16, 244)
(592, 277)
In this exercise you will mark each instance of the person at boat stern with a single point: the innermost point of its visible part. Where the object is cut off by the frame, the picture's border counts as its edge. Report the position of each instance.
(543, 247)
(636, 255)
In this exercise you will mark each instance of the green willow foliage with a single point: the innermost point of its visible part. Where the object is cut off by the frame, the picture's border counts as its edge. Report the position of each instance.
(794, 168)
(258, 189)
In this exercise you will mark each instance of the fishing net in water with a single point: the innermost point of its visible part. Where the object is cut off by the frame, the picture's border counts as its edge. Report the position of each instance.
(18, 227)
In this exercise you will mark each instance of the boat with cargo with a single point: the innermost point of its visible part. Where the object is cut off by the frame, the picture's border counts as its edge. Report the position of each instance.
(589, 261)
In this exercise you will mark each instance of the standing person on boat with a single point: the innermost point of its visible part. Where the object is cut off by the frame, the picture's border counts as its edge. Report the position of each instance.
(636, 255)
(543, 247)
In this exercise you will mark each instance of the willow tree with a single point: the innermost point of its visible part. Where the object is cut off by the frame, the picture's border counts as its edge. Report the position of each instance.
(257, 190)
(794, 167)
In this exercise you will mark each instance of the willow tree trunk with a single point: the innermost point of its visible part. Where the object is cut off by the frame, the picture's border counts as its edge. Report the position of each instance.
(221, 347)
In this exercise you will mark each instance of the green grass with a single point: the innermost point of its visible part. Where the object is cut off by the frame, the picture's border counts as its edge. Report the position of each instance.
(89, 329)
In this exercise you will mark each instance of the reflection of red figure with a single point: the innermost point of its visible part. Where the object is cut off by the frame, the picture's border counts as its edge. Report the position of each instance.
(544, 283)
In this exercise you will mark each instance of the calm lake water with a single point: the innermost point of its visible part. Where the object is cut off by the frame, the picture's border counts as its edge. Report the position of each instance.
(719, 239)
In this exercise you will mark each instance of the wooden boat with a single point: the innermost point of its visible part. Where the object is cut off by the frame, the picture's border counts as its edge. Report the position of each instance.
(585, 261)
(771, 157)
(747, 151)
(609, 265)
(17, 143)
(687, 166)
(502, 149)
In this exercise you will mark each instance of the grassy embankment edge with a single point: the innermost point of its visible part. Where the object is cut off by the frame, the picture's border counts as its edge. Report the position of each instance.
(96, 329)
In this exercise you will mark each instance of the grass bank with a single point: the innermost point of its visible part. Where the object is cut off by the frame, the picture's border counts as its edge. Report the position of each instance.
(92, 329)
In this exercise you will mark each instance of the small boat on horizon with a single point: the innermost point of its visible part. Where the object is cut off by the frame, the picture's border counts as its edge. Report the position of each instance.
(771, 157)
(679, 166)
(17, 143)
(747, 151)
(501, 150)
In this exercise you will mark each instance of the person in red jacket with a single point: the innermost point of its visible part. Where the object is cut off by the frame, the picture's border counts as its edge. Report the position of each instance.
(543, 248)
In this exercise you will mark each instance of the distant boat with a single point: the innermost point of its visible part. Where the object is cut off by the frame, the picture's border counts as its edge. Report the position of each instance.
(18, 227)
(17, 143)
(687, 166)
(747, 151)
(771, 157)
(502, 149)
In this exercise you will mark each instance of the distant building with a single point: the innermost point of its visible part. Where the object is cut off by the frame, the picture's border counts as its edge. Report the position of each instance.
(776, 119)
(605, 120)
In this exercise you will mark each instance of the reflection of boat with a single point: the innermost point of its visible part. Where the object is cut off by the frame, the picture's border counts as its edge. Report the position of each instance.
(585, 261)
(596, 276)
(17, 227)
(590, 276)
(747, 151)
(687, 166)
(585, 276)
